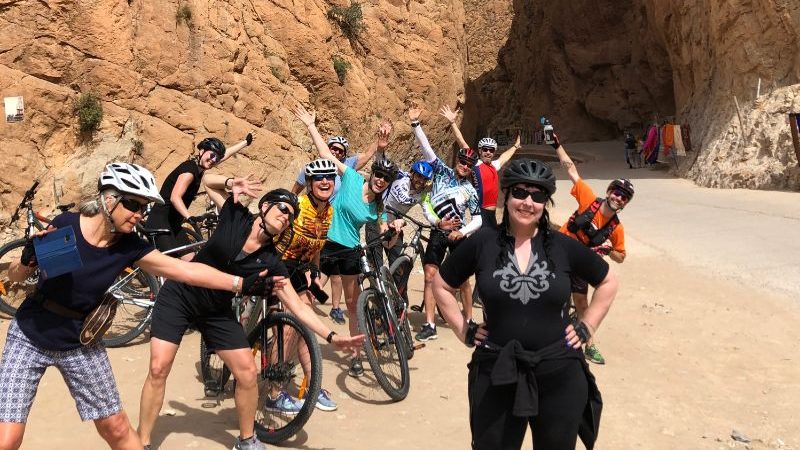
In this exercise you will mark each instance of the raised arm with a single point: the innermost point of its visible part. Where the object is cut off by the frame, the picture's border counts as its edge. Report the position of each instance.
(566, 161)
(309, 119)
(427, 151)
(217, 187)
(451, 116)
(378, 145)
(508, 154)
(235, 148)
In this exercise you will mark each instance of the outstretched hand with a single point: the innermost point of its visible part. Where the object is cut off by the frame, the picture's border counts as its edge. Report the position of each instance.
(449, 114)
(249, 186)
(518, 142)
(384, 130)
(414, 112)
(350, 344)
(308, 118)
(556, 141)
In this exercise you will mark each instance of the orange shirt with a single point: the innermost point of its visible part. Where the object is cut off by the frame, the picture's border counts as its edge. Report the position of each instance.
(585, 196)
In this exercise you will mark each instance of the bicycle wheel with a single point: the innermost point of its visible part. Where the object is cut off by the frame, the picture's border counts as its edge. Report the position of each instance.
(400, 306)
(13, 293)
(279, 343)
(384, 346)
(213, 371)
(136, 298)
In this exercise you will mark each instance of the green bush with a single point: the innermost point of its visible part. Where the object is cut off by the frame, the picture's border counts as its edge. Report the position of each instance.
(341, 67)
(350, 20)
(137, 147)
(184, 14)
(89, 111)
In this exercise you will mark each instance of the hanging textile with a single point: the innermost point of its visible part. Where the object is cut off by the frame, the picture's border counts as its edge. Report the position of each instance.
(650, 143)
(668, 136)
(678, 139)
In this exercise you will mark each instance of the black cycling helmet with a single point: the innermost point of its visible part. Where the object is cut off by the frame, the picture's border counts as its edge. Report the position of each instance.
(385, 165)
(529, 171)
(281, 195)
(624, 185)
(214, 145)
(468, 155)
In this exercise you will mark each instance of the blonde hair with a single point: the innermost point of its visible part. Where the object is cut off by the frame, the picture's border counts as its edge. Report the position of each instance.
(91, 207)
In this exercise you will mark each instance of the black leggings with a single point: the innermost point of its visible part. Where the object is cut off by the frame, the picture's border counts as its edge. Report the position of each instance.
(563, 393)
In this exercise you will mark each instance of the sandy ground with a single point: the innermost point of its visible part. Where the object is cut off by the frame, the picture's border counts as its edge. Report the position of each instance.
(699, 342)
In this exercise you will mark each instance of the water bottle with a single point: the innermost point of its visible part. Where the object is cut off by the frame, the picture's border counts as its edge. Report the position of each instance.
(549, 139)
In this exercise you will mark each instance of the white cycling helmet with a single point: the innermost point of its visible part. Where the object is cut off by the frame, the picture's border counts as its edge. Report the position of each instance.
(130, 179)
(320, 167)
(487, 143)
(341, 140)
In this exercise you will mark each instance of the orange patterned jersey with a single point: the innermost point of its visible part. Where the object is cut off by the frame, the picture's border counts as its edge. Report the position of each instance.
(310, 232)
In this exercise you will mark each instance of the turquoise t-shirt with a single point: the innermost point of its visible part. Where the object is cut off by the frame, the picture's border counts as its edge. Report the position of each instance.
(350, 212)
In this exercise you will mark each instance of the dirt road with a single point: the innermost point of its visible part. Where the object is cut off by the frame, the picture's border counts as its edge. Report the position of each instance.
(699, 342)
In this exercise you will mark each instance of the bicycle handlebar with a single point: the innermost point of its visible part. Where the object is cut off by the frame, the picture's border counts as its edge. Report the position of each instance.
(406, 216)
(29, 194)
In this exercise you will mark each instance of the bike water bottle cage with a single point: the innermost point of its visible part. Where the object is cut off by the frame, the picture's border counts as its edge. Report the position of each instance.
(583, 222)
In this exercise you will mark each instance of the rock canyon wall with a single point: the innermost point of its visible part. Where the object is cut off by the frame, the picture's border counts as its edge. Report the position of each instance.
(166, 81)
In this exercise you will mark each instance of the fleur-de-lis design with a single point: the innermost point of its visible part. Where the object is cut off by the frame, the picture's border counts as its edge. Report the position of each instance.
(524, 286)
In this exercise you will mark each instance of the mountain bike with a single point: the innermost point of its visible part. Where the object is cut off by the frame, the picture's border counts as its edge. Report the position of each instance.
(279, 341)
(376, 309)
(12, 293)
(136, 292)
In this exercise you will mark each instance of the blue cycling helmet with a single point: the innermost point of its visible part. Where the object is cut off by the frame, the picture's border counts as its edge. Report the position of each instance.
(423, 168)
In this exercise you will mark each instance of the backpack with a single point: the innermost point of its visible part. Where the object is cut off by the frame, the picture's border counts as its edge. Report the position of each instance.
(582, 221)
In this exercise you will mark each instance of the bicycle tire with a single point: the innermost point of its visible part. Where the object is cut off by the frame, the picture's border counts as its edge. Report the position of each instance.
(136, 299)
(276, 372)
(400, 306)
(401, 271)
(384, 348)
(13, 293)
(214, 373)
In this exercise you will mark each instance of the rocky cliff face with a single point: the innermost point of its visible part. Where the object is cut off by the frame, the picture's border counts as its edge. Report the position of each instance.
(169, 80)
(595, 68)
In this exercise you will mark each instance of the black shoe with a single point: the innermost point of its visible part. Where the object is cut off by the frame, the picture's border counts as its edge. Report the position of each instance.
(356, 368)
(427, 333)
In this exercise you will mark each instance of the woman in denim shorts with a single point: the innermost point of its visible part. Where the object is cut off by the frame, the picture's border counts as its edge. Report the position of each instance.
(46, 330)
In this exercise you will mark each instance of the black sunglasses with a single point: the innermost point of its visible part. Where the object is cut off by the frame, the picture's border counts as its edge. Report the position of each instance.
(133, 205)
(488, 149)
(337, 149)
(284, 209)
(522, 193)
(384, 175)
(323, 177)
(624, 196)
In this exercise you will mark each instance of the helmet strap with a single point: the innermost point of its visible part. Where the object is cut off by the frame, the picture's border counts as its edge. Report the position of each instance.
(107, 213)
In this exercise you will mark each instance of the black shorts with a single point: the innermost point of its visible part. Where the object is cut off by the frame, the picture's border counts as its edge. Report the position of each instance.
(342, 263)
(297, 275)
(578, 285)
(438, 245)
(176, 310)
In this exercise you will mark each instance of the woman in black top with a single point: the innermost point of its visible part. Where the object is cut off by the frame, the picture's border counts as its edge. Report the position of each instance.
(180, 188)
(46, 330)
(527, 368)
(243, 244)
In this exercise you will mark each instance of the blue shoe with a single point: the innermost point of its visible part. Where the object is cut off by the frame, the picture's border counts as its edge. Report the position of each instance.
(284, 404)
(325, 402)
(337, 315)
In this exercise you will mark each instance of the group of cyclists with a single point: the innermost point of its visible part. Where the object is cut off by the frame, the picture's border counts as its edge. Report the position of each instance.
(293, 245)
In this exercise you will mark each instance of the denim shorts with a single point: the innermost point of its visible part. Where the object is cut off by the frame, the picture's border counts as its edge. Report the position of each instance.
(86, 370)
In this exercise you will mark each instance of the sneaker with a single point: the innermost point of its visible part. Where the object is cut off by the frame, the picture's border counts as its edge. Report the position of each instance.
(427, 333)
(356, 368)
(252, 443)
(284, 404)
(593, 355)
(325, 402)
(337, 315)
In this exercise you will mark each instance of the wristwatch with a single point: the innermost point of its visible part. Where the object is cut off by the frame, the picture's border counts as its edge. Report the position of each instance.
(330, 337)
(415, 123)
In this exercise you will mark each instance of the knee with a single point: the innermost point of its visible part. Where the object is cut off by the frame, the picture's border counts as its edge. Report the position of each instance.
(430, 273)
(159, 371)
(116, 428)
(11, 436)
(246, 378)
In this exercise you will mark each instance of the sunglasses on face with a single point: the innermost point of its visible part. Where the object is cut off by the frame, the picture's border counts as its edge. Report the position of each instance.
(487, 149)
(466, 163)
(382, 175)
(330, 177)
(213, 157)
(336, 149)
(133, 205)
(621, 195)
(284, 209)
(522, 193)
